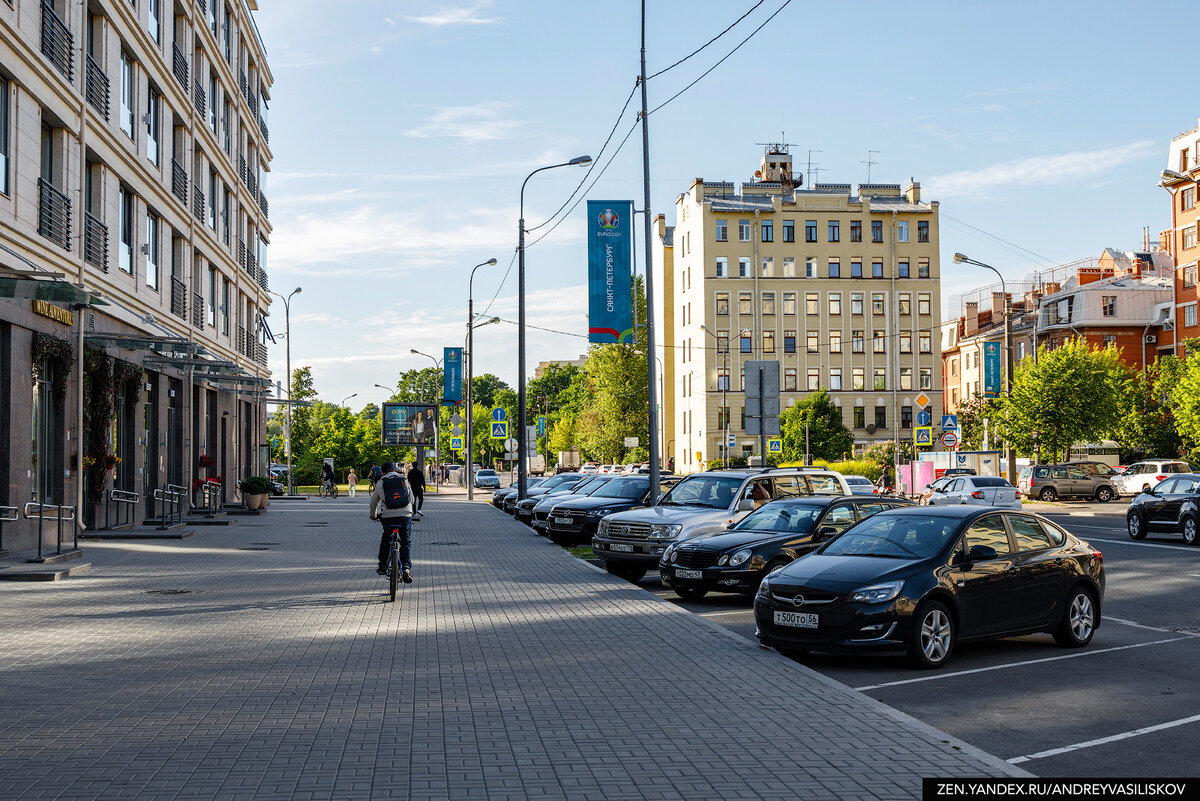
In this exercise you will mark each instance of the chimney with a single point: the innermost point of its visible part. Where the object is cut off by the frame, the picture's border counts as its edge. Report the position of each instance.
(971, 318)
(998, 307)
(1088, 274)
(913, 191)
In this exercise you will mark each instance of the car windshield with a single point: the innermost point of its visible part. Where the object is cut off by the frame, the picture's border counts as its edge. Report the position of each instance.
(486, 473)
(627, 488)
(781, 517)
(856, 480)
(559, 480)
(594, 486)
(894, 537)
(712, 492)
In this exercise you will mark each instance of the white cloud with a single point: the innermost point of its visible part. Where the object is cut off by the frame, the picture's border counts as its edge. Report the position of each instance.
(482, 122)
(1083, 165)
(451, 16)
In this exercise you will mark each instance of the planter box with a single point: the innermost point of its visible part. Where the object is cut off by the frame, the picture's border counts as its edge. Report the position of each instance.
(254, 502)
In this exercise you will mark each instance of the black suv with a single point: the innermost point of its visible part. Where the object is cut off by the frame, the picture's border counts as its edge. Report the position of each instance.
(574, 520)
(762, 542)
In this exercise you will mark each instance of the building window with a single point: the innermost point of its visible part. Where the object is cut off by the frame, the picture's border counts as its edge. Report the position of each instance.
(789, 266)
(835, 234)
(768, 303)
(743, 267)
(1189, 277)
(1109, 340)
(789, 230)
(905, 342)
(814, 379)
(789, 302)
(212, 103)
(880, 417)
(225, 307)
(878, 342)
(877, 269)
(125, 225)
(722, 342)
(789, 379)
(746, 344)
(226, 126)
(3, 136)
(768, 268)
(856, 269)
(835, 269)
(810, 230)
(212, 199)
(856, 230)
(1189, 238)
(877, 303)
(835, 341)
(835, 378)
(225, 214)
(768, 230)
(856, 303)
(722, 303)
(1108, 305)
(923, 304)
(813, 340)
(213, 13)
(925, 342)
(722, 231)
(152, 125)
(905, 303)
(722, 266)
(860, 417)
(743, 230)
(906, 415)
(1187, 199)
(835, 302)
(151, 250)
(212, 296)
(923, 269)
(856, 341)
(902, 269)
(789, 341)
(905, 378)
(923, 231)
(152, 21)
(901, 231)
(927, 379)
(126, 94)
(228, 40)
(858, 378)
(1020, 351)
(745, 303)
(722, 379)
(876, 230)
(1189, 314)
(810, 267)
(812, 303)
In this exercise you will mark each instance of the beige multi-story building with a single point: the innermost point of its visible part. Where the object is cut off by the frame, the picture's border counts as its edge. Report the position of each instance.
(841, 287)
(133, 152)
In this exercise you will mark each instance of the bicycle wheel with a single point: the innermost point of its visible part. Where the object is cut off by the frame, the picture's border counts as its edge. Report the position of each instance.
(333, 491)
(394, 571)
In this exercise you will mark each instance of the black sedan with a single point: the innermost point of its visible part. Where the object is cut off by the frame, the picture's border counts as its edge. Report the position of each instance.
(1171, 505)
(762, 542)
(499, 496)
(919, 581)
(549, 485)
(574, 520)
(536, 511)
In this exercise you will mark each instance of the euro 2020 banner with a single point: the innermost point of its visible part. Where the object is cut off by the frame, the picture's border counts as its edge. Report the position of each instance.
(991, 369)
(610, 260)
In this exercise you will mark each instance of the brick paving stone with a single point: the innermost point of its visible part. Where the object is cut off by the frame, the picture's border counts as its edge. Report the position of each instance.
(509, 670)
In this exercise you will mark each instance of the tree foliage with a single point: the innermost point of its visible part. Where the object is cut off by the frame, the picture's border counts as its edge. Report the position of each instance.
(1148, 429)
(827, 435)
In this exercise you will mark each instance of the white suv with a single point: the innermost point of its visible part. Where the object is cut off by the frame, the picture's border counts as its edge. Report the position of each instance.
(1144, 475)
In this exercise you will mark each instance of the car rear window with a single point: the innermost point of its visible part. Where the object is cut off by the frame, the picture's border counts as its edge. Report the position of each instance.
(990, 481)
(1175, 467)
(1042, 472)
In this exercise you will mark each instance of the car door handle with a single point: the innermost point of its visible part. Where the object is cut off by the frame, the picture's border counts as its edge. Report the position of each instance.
(960, 583)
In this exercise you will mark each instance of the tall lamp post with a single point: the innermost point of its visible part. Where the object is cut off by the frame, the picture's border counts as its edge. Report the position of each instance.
(348, 397)
(468, 343)
(520, 434)
(437, 424)
(386, 389)
(1008, 348)
(287, 336)
(467, 348)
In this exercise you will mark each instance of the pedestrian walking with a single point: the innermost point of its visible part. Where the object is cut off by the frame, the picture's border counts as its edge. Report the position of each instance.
(352, 481)
(416, 482)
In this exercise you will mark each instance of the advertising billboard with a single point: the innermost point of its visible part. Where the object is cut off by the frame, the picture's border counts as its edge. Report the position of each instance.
(407, 424)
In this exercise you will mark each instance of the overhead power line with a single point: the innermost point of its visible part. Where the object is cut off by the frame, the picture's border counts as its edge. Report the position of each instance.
(710, 41)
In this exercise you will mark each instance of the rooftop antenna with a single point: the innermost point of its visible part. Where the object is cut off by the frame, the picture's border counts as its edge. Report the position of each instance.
(808, 174)
(869, 162)
(817, 169)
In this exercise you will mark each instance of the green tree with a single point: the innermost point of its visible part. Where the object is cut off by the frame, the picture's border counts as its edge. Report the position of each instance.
(303, 430)
(419, 386)
(972, 413)
(341, 439)
(369, 412)
(1185, 401)
(828, 436)
(484, 388)
(1147, 428)
(1070, 394)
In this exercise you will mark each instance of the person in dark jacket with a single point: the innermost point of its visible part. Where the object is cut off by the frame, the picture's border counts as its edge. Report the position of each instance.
(416, 483)
(375, 474)
(400, 516)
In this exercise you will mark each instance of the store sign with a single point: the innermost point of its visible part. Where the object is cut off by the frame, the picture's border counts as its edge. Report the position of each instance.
(48, 309)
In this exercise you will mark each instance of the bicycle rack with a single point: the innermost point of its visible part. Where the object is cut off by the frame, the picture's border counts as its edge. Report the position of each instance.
(41, 509)
(171, 494)
(125, 502)
(8, 514)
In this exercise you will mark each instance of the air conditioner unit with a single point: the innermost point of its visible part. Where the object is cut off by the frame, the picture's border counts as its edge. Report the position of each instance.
(1151, 339)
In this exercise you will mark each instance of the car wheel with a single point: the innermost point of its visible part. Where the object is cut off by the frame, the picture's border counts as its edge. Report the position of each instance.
(1104, 495)
(793, 653)
(1047, 494)
(1137, 529)
(690, 593)
(1079, 620)
(1189, 531)
(932, 638)
(631, 573)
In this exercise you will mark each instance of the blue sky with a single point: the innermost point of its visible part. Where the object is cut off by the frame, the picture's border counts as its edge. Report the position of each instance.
(402, 131)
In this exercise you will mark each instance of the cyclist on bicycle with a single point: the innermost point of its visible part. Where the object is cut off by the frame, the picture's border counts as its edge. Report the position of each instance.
(392, 483)
(327, 476)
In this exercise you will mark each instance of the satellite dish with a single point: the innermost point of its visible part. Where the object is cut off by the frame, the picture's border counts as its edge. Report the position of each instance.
(758, 173)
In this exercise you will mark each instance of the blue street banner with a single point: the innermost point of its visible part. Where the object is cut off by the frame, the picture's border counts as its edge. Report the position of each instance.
(452, 374)
(610, 260)
(991, 369)
(541, 425)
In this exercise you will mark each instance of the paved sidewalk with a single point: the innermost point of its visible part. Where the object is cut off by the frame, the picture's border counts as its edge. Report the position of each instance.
(510, 670)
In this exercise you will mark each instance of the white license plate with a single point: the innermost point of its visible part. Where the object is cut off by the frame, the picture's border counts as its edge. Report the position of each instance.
(800, 620)
(688, 574)
(620, 546)
(563, 521)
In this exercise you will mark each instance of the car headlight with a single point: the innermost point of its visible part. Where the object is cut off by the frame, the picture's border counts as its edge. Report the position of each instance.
(877, 593)
(665, 531)
(601, 512)
(764, 588)
(672, 555)
(740, 557)
(602, 529)
(722, 560)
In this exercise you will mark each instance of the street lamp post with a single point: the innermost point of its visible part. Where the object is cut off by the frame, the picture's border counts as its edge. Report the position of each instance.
(521, 445)
(437, 424)
(1008, 348)
(470, 368)
(287, 336)
(348, 397)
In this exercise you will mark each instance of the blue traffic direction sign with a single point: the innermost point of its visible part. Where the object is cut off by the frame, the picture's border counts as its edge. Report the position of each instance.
(500, 429)
(498, 414)
(924, 418)
(949, 422)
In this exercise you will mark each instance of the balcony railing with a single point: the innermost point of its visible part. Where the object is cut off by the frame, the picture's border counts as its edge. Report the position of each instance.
(198, 204)
(260, 353)
(95, 242)
(97, 87)
(252, 184)
(262, 126)
(198, 310)
(262, 279)
(179, 182)
(54, 215)
(203, 8)
(242, 254)
(199, 98)
(251, 264)
(180, 66)
(241, 340)
(242, 170)
(58, 44)
(244, 85)
(262, 204)
(178, 298)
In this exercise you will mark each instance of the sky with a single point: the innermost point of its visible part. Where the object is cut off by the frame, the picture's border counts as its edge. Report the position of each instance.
(402, 131)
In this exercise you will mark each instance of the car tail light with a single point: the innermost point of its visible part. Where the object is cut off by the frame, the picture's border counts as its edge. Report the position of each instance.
(1160, 478)
(977, 494)
(1097, 554)
(1019, 495)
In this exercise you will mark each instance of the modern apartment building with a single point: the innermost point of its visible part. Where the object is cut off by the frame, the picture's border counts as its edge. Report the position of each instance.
(1181, 179)
(841, 287)
(133, 221)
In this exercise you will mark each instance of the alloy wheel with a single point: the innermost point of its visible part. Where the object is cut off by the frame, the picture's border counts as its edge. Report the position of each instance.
(1083, 616)
(935, 635)
(1189, 531)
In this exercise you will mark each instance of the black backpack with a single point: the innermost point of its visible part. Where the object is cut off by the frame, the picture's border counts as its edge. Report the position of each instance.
(395, 492)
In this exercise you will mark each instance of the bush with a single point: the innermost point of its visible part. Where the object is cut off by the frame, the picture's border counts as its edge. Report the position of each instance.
(255, 485)
(850, 467)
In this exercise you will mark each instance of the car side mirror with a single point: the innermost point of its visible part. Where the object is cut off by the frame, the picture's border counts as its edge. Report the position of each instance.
(1147, 491)
(981, 553)
(745, 505)
(825, 532)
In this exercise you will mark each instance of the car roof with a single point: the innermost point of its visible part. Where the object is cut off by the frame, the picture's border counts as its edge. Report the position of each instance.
(958, 512)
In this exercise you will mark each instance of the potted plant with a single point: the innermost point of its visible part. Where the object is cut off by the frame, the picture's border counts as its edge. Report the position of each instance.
(255, 491)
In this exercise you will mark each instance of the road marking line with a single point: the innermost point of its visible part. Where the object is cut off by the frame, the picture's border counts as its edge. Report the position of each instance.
(1187, 548)
(1108, 618)
(735, 612)
(1021, 664)
(1105, 740)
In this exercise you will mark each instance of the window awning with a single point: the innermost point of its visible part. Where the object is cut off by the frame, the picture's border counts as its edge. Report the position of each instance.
(20, 285)
(176, 347)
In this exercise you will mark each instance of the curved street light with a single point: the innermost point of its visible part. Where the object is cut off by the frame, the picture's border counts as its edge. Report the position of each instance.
(287, 334)
(348, 397)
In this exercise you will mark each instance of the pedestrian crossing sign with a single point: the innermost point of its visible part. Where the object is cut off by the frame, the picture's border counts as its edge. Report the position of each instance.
(456, 443)
(499, 429)
(775, 445)
(923, 436)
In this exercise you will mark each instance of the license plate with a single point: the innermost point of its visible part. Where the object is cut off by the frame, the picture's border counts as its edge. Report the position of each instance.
(688, 574)
(563, 521)
(800, 620)
(620, 546)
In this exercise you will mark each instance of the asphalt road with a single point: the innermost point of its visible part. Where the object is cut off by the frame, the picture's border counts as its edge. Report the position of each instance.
(1020, 698)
